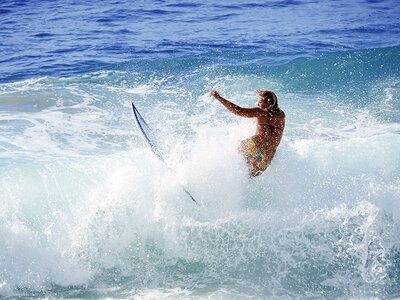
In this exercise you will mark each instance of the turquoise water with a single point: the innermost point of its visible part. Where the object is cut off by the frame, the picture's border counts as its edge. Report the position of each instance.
(86, 210)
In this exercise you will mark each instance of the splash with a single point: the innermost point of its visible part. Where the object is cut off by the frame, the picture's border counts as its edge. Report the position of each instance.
(88, 211)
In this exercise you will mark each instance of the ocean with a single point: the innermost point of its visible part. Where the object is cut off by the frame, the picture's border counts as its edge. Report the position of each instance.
(87, 210)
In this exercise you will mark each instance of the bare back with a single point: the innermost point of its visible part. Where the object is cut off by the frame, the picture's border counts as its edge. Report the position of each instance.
(269, 133)
(259, 149)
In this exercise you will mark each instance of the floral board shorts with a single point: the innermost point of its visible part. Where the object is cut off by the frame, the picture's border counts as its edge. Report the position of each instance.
(254, 156)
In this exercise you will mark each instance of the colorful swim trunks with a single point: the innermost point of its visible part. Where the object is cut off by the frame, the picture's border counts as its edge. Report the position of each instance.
(254, 156)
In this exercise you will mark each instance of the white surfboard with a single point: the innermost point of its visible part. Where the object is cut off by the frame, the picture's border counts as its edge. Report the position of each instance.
(149, 138)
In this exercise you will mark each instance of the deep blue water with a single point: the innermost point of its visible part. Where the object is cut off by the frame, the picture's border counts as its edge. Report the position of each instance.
(86, 210)
(59, 38)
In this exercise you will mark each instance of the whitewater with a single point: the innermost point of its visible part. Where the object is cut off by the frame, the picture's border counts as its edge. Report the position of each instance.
(88, 211)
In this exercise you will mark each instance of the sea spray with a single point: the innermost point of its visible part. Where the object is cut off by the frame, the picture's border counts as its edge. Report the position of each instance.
(88, 211)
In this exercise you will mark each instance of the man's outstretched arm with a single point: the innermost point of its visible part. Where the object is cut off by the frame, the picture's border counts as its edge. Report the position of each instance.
(235, 109)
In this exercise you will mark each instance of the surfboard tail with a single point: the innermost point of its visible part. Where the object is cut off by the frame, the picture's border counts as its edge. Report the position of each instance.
(190, 195)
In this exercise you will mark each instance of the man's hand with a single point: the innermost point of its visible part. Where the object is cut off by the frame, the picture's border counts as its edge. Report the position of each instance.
(260, 92)
(214, 94)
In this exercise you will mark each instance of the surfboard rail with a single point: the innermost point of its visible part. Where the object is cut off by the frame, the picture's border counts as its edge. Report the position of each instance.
(147, 134)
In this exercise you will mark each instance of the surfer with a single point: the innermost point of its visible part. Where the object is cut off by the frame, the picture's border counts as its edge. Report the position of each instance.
(259, 149)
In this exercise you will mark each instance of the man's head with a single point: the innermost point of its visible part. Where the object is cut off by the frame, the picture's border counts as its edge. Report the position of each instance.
(268, 98)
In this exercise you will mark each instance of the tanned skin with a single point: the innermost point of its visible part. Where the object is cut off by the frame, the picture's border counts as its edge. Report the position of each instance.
(269, 125)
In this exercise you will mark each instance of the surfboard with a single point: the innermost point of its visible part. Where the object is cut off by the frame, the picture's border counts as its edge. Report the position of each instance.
(151, 141)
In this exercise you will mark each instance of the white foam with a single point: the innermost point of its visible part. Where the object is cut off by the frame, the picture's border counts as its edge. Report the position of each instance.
(73, 200)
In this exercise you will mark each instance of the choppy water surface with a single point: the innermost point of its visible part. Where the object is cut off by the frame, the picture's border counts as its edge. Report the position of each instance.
(87, 211)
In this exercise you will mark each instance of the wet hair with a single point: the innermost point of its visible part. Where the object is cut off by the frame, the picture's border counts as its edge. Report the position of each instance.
(269, 96)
